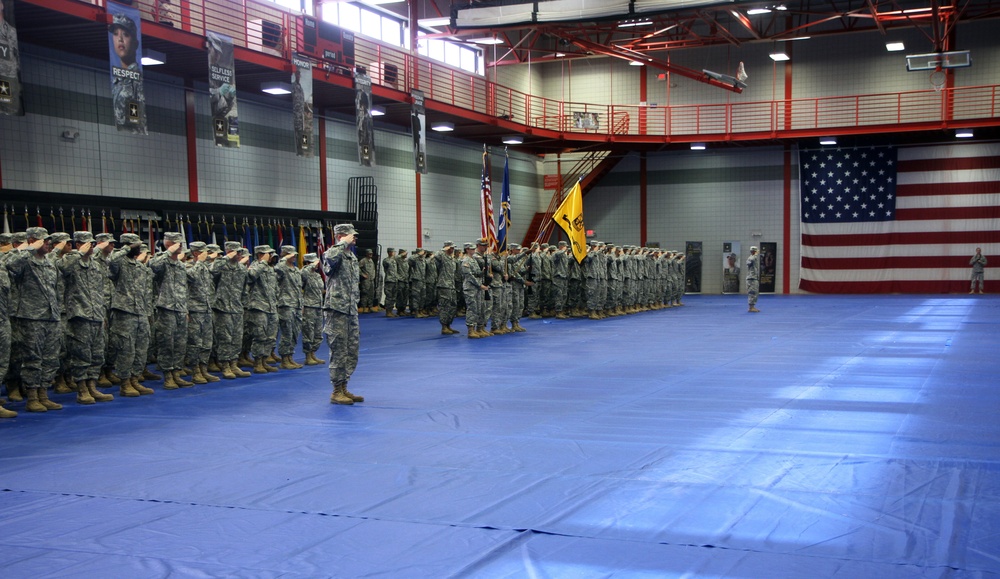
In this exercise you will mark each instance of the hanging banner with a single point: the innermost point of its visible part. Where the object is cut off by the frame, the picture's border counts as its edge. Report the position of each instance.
(302, 106)
(10, 62)
(222, 90)
(125, 45)
(366, 129)
(768, 266)
(730, 267)
(692, 251)
(418, 120)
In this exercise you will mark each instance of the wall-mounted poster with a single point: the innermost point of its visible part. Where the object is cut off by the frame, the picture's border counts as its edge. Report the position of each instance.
(125, 46)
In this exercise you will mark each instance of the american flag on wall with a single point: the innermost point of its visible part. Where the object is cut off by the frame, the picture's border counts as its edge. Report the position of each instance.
(906, 220)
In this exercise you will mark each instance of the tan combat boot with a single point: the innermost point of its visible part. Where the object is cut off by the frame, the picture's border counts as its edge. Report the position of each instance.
(473, 333)
(287, 364)
(240, 372)
(43, 397)
(4, 413)
(142, 390)
(61, 386)
(338, 396)
(213, 366)
(207, 376)
(14, 393)
(96, 394)
(125, 389)
(272, 358)
(353, 397)
(517, 326)
(196, 376)
(244, 361)
(83, 394)
(147, 375)
(227, 371)
(169, 382)
(179, 379)
(34, 405)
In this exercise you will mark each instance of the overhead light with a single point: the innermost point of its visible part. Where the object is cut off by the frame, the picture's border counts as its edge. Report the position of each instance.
(895, 46)
(636, 63)
(513, 140)
(486, 40)
(443, 127)
(697, 146)
(780, 8)
(828, 140)
(779, 56)
(152, 57)
(963, 133)
(793, 39)
(378, 110)
(755, 11)
(628, 24)
(434, 22)
(276, 87)
(560, 54)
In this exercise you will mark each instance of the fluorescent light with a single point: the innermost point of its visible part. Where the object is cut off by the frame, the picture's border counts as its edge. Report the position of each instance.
(963, 133)
(828, 140)
(276, 87)
(779, 56)
(793, 39)
(560, 54)
(513, 140)
(894, 46)
(443, 127)
(152, 57)
(378, 110)
(780, 8)
(697, 146)
(434, 22)
(486, 40)
(755, 11)
(636, 63)
(635, 23)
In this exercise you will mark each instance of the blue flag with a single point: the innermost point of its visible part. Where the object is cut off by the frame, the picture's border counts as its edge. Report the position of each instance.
(504, 226)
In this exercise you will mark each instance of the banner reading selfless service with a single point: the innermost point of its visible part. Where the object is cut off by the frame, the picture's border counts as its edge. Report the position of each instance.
(302, 106)
(10, 62)
(366, 129)
(222, 90)
(418, 122)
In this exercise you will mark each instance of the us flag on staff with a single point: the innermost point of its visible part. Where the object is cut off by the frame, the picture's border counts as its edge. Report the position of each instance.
(487, 225)
(907, 220)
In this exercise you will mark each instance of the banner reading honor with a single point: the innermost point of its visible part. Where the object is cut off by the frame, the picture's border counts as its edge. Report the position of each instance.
(222, 90)
(569, 216)
(10, 63)
(302, 106)
(418, 120)
(125, 45)
(366, 129)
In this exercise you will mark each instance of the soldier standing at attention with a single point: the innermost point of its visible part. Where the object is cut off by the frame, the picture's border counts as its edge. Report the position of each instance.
(753, 284)
(978, 262)
(312, 310)
(289, 306)
(229, 277)
(367, 268)
(447, 298)
(343, 334)
(170, 279)
(4, 318)
(472, 288)
(390, 275)
(261, 310)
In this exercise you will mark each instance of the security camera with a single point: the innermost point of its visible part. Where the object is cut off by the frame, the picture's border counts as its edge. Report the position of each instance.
(70, 134)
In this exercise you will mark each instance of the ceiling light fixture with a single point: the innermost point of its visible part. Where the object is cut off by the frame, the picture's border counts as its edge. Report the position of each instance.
(756, 11)
(152, 57)
(513, 140)
(895, 46)
(378, 110)
(636, 63)
(779, 56)
(276, 87)
(697, 146)
(963, 133)
(434, 22)
(628, 24)
(828, 140)
(486, 40)
(443, 127)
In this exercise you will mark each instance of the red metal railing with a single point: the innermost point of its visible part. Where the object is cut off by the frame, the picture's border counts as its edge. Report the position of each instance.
(269, 28)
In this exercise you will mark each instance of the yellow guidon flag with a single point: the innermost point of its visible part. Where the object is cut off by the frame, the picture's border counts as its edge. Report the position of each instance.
(569, 216)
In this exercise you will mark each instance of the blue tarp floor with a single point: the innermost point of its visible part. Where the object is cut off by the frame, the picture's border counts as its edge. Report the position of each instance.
(848, 436)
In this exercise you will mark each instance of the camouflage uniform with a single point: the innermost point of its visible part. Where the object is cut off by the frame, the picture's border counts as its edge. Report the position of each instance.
(170, 280)
(518, 268)
(129, 310)
(418, 269)
(367, 269)
(4, 319)
(560, 278)
(390, 276)
(289, 295)
(753, 283)
(34, 312)
(472, 280)
(312, 310)
(262, 314)
(229, 278)
(498, 319)
(85, 308)
(340, 308)
(199, 305)
(402, 282)
(446, 267)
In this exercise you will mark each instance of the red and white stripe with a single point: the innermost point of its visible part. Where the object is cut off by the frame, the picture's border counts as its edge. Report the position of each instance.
(947, 205)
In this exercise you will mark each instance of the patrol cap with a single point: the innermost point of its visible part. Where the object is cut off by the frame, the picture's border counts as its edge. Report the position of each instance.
(173, 236)
(592, 243)
(213, 248)
(287, 250)
(124, 22)
(482, 241)
(368, 252)
(419, 250)
(83, 237)
(37, 232)
(60, 236)
(130, 239)
(197, 246)
(102, 237)
(390, 250)
(447, 244)
(513, 246)
(233, 246)
(19, 237)
(5, 238)
(563, 244)
(468, 245)
(344, 229)
(545, 246)
(244, 251)
(311, 258)
(753, 248)
(263, 249)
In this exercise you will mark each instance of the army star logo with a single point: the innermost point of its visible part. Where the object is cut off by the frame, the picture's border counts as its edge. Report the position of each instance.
(4, 88)
(133, 110)
(220, 127)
